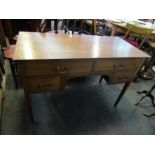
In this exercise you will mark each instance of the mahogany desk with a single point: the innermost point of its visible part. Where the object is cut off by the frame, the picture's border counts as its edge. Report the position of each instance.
(47, 60)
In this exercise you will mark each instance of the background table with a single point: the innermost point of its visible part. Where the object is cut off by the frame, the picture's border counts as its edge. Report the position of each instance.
(120, 25)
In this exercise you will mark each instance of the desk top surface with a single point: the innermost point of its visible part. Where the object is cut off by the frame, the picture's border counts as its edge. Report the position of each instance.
(46, 46)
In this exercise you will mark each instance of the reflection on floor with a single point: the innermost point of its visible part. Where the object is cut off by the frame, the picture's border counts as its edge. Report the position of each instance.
(83, 107)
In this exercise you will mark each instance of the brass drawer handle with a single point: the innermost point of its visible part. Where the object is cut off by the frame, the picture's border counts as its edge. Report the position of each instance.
(118, 66)
(122, 77)
(61, 71)
(49, 84)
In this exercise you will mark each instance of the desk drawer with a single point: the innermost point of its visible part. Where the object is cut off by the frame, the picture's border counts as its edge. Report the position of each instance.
(118, 64)
(38, 84)
(47, 68)
(121, 77)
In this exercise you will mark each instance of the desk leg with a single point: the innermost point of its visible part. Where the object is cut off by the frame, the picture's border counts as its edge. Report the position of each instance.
(29, 104)
(126, 86)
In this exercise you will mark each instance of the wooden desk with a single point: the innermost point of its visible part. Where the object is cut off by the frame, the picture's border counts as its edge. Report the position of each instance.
(120, 26)
(47, 61)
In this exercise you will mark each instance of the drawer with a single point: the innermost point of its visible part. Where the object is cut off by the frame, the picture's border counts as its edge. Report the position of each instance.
(121, 77)
(39, 84)
(47, 67)
(118, 64)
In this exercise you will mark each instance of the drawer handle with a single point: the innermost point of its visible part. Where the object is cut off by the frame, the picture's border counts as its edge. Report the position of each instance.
(45, 84)
(118, 66)
(122, 77)
(62, 71)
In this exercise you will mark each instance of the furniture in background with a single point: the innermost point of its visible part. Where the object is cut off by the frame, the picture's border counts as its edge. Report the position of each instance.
(2, 35)
(85, 26)
(3, 44)
(8, 54)
(73, 25)
(149, 69)
(147, 94)
(44, 25)
(147, 20)
(93, 27)
(46, 69)
(89, 26)
(100, 28)
(116, 26)
(2, 84)
(151, 61)
(56, 21)
(13, 26)
(119, 26)
(135, 33)
(2, 66)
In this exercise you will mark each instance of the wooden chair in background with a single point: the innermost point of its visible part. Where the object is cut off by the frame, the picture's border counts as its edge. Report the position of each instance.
(99, 27)
(75, 26)
(89, 26)
(42, 26)
(85, 26)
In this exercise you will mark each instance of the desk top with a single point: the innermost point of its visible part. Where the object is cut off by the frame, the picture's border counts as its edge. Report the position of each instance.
(46, 46)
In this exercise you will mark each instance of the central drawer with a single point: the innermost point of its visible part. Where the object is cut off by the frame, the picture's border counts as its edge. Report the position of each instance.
(39, 84)
(117, 64)
(48, 67)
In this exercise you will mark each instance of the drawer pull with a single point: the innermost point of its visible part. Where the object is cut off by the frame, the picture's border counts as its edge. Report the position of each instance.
(62, 71)
(118, 66)
(45, 84)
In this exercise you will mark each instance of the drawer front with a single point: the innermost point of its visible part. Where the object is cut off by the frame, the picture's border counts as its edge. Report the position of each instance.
(47, 68)
(75, 67)
(118, 64)
(121, 77)
(39, 84)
